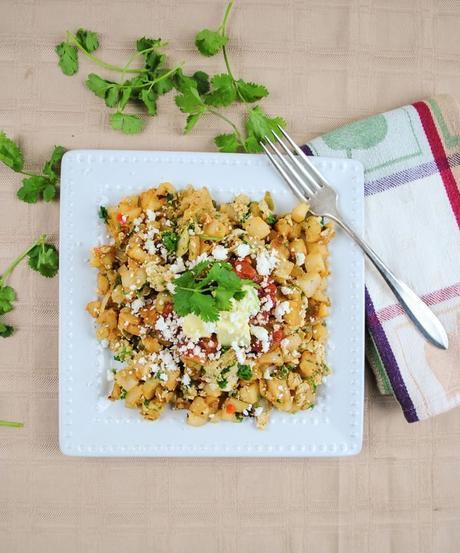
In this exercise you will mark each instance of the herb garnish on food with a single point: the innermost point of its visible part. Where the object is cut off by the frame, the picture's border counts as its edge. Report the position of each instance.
(207, 289)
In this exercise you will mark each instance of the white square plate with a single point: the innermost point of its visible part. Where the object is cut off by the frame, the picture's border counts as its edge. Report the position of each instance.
(87, 426)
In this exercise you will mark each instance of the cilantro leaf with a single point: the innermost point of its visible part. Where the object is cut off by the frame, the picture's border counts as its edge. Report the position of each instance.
(259, 124)
(149, 47)
(271, 219)
(244, 372)
(112, 95)
(127, 123)
(125, 96)
(191, 121)
(6, 330)
(170, 240)
(98, 85)
(251, 92)
(52, 167)
(228, 143)
(165, 85)
(103, 213)
(202, 82)
(68, 58)
(36, 187)
(252, 146)
(7, 296)
(210, 42)
(183, 82)
(223, 91)
(207, 289)
(190, 101)
(88, 39)
(149, 99)
(204, 306)
(10, 153)
(44, 258)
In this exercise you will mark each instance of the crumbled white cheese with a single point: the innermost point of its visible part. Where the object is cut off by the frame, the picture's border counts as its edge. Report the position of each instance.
(151, 215)
(137, 304)
(242, 250)
(137, 221)
(286, 290)
(150, 247)
(266, 261)
(167, 359)
(178, 266)
(186, 380)
(201, 257)
(281, 309)
(220, 253)
(171, 287)
(284, 343)
(267, 374)
(163, 377)
(239, 352)
(261, 334)
(299, 258)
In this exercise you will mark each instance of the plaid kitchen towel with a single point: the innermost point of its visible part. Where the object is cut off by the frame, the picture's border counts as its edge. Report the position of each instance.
(411, 157)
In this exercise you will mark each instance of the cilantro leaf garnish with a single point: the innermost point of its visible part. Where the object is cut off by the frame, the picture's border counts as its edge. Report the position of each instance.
(244, 372)
(207, 289)
(34, 187)
(10, 153)
(228, 143)
(209, 43)
(88, 39)
(6, 330)
(223, 91)
(7, 296)
(251, 92)
(44, 258)
(103, 213)
(68, 58)
(170, 240)
(127, 123)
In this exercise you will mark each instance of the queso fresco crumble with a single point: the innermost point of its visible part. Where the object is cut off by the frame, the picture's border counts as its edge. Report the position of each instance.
(218, 310)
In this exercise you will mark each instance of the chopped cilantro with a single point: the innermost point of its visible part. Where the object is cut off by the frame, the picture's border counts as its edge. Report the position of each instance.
(103, 213)
(123, 394)
(244, 372)
(170, 240)
(271, 219)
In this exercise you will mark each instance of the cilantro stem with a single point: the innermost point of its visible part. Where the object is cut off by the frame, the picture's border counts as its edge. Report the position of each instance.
(209, 289)
(12, 424)
(165, 75)
(234, 127)
(71, 38)
(223, 28)
(28, 174)
(3, 278)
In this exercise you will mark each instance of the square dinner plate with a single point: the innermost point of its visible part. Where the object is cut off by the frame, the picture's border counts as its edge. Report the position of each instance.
(90, 425)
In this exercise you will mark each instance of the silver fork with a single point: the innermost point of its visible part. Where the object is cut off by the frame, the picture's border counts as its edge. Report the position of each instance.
(308, 184)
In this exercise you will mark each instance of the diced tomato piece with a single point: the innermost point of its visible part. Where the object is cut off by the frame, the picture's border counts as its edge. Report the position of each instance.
(119, 217)
(277, 335)
(167, 309)
(230, 408)
(208, 345)
(244, 269)
(271, 289)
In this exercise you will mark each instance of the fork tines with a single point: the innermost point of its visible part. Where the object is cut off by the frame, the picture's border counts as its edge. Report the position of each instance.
(298, 171)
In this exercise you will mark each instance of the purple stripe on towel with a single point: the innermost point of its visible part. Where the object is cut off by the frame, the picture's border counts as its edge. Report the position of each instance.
(389, 361)
(407, 175)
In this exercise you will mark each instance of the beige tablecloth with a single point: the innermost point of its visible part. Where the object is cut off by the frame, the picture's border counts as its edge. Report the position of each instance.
(325, 63)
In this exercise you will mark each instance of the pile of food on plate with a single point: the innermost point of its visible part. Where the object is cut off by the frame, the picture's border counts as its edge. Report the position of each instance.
(216, 309)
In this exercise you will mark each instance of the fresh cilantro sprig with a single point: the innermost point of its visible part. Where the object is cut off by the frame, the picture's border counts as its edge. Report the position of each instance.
(170, 240)
(150, 82)
(34, 186)
(244, 372)
(207, 289)
(43, 258)
(224, 90)
(198, 94)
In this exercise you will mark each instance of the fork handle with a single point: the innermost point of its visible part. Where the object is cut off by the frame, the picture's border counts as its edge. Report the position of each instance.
(420, 314)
